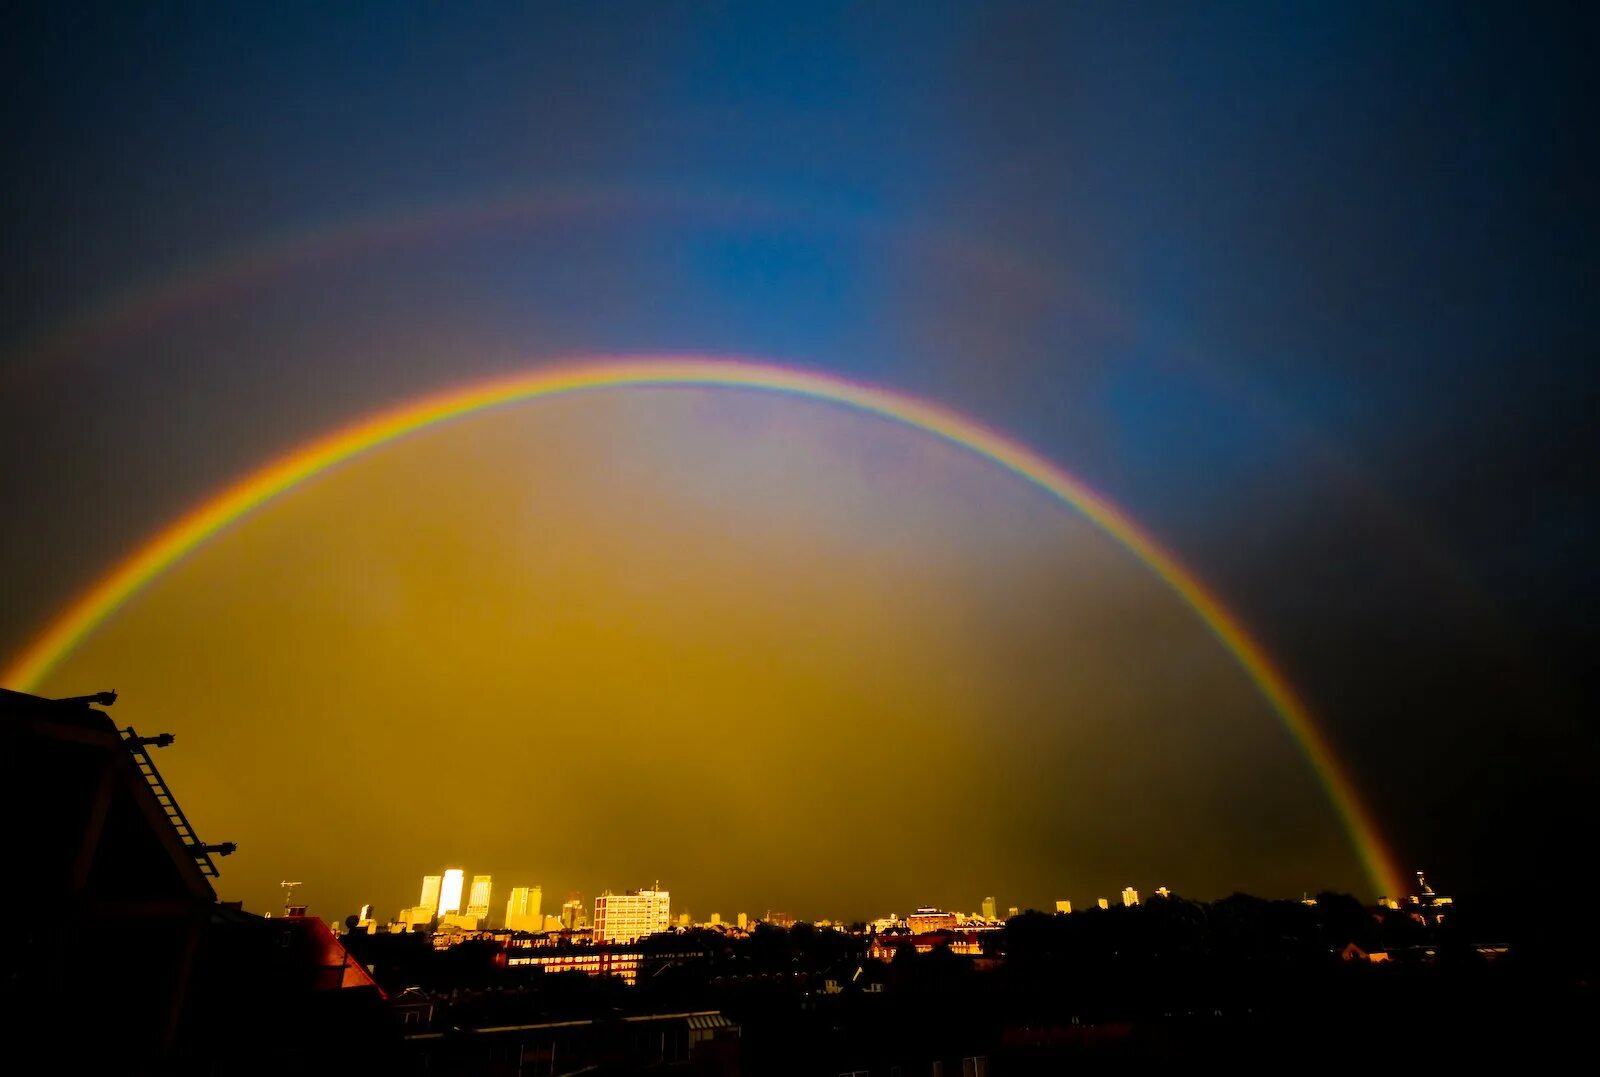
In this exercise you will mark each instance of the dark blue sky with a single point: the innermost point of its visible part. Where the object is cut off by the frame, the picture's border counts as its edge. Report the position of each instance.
(1308, 289)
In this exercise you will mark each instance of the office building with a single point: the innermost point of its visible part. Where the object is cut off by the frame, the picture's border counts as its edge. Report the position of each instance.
(989, 908)
(927, 920)
(630, 916)
(1103, 903)
(430, 893)
(522, 909)
(744, 922)
(1063, 906)
(572, 915)
(716, 919)
(478, 897)
(450, 891)
(1014, 913)
(1130, 897)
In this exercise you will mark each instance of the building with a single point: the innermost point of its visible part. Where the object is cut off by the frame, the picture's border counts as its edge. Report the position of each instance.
(1013, 913)
(989, 908)
(1063, 906)
(716, 919)
(928, 920)
(1103, 903)
(573, 917)
(416, 916)
(743, 922)
(119, 957)
(1130, 897)
(430, 893)
(631, 916)
(702, 1041)
(522, 909)
(1163, 892)
(450, 891)
(965, 943)
(592, 960)
(478, 897)
(1431, 907)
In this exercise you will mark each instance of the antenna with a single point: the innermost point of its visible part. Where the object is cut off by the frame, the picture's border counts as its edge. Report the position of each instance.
(289, 907)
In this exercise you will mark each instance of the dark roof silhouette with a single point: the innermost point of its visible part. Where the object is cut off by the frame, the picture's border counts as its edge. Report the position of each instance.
(117, 948)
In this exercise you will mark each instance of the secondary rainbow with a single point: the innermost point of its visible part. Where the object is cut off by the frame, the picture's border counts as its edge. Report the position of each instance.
(212, 516)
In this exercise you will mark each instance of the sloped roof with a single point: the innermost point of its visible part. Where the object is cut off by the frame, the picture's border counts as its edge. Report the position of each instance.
(92, 823)
(700, 1022)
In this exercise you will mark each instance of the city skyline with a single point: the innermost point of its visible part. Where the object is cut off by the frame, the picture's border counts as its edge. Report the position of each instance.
(527, 899)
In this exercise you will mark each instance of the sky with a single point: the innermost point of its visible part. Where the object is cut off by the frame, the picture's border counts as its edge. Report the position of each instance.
(1306, 291)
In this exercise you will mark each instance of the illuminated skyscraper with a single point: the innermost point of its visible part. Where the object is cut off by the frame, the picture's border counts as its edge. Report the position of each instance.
(478, 899)
(1063, 906)
(630, 916)
(1130, 897)
(1015, 912)
(450, 891)
(430, 893)
(989, 908)
(744, 922)
(522, 910)
(572, 917)
(1103, 903)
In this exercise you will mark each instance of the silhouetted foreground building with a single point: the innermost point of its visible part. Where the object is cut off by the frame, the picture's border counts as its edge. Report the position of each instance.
(705, 1040)
(120, 960)
(118, 956)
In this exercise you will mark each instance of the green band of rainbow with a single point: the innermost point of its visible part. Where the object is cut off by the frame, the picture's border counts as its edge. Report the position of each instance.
(186, 533)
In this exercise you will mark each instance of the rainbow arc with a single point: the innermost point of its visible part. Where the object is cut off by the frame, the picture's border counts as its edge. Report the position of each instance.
(185, 534)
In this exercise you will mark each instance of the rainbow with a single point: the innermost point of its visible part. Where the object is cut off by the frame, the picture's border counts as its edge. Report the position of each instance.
(211, 517)
(261, 263)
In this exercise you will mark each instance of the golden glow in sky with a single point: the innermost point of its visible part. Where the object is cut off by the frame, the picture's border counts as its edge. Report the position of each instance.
(771, 652)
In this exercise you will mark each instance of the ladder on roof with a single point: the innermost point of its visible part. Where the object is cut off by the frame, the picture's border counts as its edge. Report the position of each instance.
(169, 804)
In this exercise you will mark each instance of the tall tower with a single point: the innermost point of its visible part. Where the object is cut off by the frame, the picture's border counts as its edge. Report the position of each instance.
(450, 891)
(989, 909)
(430, 892)
(522, 910)
(1130, 897)
(478, 899)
